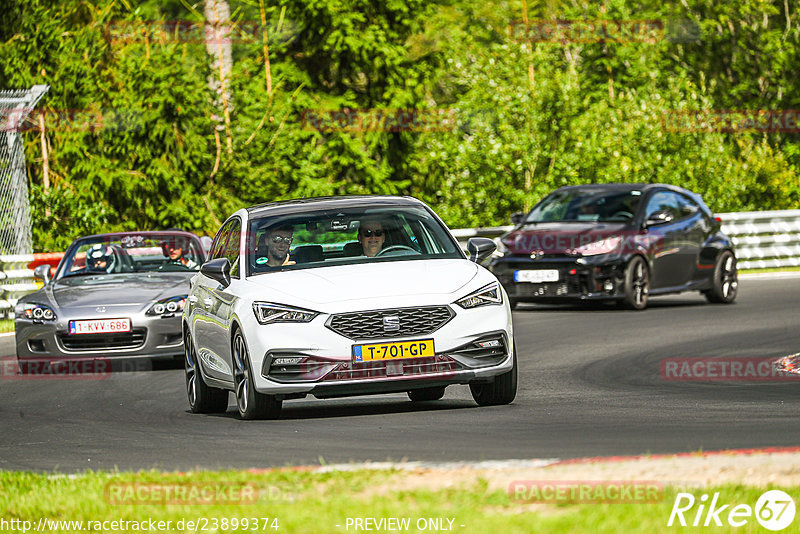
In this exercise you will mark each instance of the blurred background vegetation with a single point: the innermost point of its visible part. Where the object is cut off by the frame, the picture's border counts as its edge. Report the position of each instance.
(137, 137)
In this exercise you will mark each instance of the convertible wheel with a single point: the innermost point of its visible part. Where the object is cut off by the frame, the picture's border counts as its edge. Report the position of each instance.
(725, 282)
(250, 403)
(637, 284)
(202, 398)
(426, 394)
(501, 390)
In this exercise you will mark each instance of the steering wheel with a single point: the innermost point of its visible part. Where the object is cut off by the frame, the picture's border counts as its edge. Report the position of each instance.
(395, 248)
(173, 267)
(622, 215)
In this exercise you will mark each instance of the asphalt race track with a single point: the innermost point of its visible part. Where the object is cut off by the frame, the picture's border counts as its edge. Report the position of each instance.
(589, 386)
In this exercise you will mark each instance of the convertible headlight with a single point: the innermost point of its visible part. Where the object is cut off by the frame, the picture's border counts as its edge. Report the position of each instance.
(602, 246)
(36, 312)
(484, 296)
(168, 307)
(269, 313)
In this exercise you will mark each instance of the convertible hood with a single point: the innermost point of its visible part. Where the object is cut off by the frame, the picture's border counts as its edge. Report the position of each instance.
(370, 281)
(118, 289)
(558, 238)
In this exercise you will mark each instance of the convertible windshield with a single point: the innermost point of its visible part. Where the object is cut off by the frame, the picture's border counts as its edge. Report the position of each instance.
(132, 253)
(582, 205)
(346, 236)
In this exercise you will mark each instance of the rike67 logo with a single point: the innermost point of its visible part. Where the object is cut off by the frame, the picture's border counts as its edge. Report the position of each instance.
(774, 510)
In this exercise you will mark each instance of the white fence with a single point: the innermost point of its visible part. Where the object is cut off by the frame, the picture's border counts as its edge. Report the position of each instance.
(763, 239)
(16, 280)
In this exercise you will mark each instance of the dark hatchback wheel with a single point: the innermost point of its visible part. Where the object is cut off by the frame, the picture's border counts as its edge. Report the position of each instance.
(502, 390)
(637, 284)
(426, 394)
(250, 403)
(726, 280)
(202, 397)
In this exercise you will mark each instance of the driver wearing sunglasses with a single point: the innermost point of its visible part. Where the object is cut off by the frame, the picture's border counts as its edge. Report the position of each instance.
(278, 241)
(371, 235)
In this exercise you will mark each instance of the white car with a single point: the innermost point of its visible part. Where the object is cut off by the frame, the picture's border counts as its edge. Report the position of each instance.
(344, 296)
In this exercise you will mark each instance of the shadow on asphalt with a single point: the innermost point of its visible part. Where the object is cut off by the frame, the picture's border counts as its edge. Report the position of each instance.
(608, 306)
(319, 411)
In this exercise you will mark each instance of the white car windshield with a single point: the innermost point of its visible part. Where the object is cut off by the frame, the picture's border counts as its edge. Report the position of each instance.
(132, 253)
(346, 236)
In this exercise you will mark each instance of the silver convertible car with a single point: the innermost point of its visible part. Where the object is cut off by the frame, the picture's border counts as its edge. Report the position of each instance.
(344, 296)
(113, 296)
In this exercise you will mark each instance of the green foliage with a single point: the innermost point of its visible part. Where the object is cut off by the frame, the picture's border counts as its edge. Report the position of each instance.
(136, 137)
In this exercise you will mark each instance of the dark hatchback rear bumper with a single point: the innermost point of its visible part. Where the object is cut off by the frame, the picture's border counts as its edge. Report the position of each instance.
(579, 278)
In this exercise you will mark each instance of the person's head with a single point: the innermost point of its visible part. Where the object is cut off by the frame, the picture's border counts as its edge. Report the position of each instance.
(99, 257)
(174, 247)
(278, 241)
(371, 235)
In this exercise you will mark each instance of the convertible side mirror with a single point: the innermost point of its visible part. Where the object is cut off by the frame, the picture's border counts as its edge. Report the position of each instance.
(42, 272)
(659, 217)
(480, 248)
(517, 218)
(219, 270)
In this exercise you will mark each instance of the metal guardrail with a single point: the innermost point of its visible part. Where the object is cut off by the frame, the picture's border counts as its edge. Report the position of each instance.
(16, 280)
(763, 239)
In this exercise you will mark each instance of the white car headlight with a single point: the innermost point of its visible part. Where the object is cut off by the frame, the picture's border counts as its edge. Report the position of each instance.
(268, 313)
(484, 296)
(602, 246)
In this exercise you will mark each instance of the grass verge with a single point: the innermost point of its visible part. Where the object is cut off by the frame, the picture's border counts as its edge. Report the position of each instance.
(771, 270)
(6, 325)
(304, 501)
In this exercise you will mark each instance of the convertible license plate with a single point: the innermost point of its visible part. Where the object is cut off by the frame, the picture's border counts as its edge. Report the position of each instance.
(100, 326)
(397, 350)
(536, 276)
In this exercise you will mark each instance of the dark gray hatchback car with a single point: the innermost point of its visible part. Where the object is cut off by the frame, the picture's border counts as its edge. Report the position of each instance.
(623, 242)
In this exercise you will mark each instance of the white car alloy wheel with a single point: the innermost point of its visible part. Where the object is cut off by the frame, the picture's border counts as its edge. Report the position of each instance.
(250, 403)
(202, 398)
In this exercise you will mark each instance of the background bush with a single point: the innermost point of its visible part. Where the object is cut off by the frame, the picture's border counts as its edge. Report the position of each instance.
(520, 118)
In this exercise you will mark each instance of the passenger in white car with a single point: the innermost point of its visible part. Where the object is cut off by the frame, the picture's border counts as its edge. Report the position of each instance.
(371, 235)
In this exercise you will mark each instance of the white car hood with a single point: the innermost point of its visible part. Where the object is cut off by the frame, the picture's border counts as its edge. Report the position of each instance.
(370, 281)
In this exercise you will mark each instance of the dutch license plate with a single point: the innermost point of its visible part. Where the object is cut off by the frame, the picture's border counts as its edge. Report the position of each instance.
(100, 326)
(397, 350)
(536, 276)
